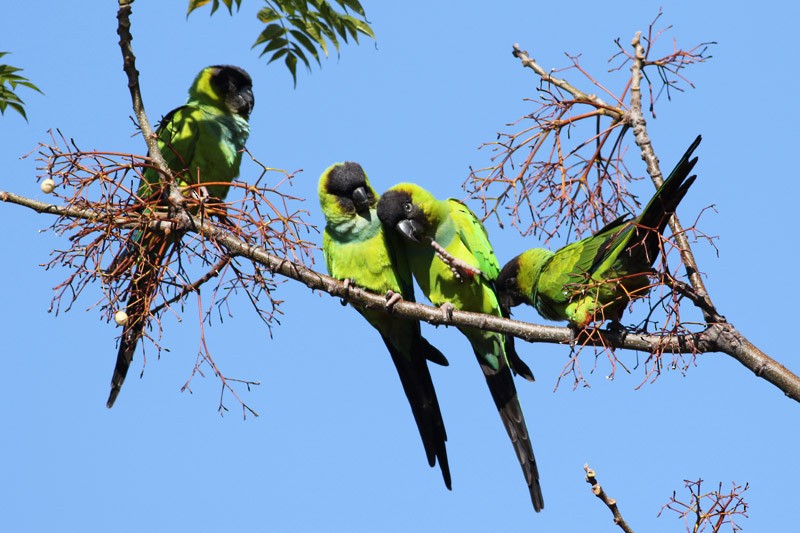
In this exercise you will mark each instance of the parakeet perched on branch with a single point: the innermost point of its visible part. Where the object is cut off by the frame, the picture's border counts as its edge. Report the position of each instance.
(357, 250)
(454, 264)
(593, 279)
(202, 143)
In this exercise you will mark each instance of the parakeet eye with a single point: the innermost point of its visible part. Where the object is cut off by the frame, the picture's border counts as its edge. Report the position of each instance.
(407, 207)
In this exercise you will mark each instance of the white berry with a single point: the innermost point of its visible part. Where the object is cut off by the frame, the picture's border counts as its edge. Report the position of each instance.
(121, 317)
(48, 185)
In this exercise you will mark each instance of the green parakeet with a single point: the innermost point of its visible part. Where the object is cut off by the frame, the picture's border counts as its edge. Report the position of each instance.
(202, 143)
(357, 249)
(454, 264)
(594, 279)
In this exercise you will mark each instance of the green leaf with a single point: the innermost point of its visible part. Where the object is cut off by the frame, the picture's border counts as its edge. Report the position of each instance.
(330, 35)
(314, 33)
(9, 82)
(298, 52)
(298, 30)
(267, 15)
(274, 45)
(355, 5)
(272, 31)
(195, 4)
(279, 54)
(364, 28)
(19, 109)
(291, 64)
(306, 42)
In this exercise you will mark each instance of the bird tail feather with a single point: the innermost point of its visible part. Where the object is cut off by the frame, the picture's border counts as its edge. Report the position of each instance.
(504, 394)
(418, 386)
(142, 289)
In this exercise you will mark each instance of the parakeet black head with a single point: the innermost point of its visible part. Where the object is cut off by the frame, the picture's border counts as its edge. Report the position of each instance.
(519, 279)
(507, 285)
(228, 87)
(400, 210)
(347, 185)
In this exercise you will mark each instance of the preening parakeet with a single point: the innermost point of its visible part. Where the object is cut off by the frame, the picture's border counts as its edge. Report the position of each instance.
(202, 143)
(357, 249)
(594, 279)
(460, 237)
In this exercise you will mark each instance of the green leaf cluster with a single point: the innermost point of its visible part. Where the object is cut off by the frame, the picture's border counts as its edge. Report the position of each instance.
(301, 31)
(9, 80)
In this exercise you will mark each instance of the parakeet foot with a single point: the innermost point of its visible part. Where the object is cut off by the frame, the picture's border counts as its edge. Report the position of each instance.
(576, 332)
(391, 299)
(461, 269)
(447, 311)
(347, 283)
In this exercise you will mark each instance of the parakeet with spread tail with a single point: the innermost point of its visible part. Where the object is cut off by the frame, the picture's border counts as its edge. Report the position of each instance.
(202, 143)
(454, 264)
(594, 279)
(357, 249)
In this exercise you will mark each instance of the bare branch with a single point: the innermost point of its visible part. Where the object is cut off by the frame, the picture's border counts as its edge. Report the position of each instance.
(716, 337)
(129, 66)
(611, 503)
(639, 125)
(603, 108)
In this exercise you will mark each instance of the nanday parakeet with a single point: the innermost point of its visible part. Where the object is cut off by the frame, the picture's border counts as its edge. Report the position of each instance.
(594, 279)
(420, 218)
(202, 143)
(357, 249)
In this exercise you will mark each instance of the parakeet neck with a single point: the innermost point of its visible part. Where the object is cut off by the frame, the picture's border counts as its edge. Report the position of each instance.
(531, 264)
(239, 129)
(202, 93)
(441, 227)
(348, 226)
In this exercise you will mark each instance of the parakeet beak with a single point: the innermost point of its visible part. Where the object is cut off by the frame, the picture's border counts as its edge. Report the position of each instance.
(508, 300)
(248, 101)
(360, 199)
(410, 229)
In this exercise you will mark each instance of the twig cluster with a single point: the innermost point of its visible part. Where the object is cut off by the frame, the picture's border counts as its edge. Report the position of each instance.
(562, 170)
(562, 167)
(102, 252)
(713, 510)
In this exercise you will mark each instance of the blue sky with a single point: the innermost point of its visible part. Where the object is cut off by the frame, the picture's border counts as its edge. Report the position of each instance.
(335, 447)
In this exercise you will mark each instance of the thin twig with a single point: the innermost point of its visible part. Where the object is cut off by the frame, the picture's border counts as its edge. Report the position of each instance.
(611, 503)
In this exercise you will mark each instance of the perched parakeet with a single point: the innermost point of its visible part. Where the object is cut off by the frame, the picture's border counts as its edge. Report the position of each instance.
(357, 249)
(202, 143)
(593, 279)
(454, 264)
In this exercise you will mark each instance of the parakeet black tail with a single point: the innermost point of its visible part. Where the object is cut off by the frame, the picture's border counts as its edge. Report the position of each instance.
(661, 207)
(418, 386)
(142, 289)
(504, 394)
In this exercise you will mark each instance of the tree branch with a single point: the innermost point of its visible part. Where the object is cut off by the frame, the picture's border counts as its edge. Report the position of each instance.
(611, 503)
(639, 125)
(602, 107)
(716, 337)
(129, 66)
